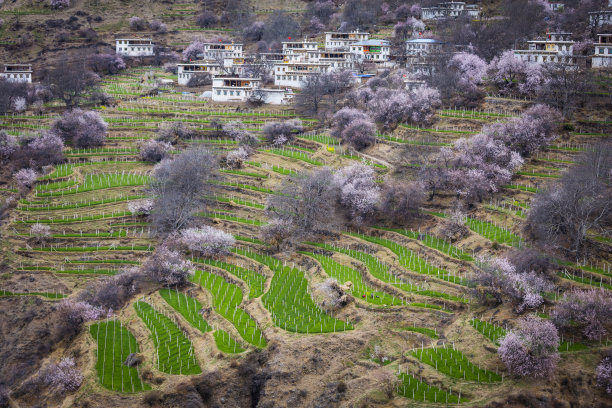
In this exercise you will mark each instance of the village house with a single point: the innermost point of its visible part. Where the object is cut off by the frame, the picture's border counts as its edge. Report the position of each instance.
(603, 52)
(422, 46)
(236, 89)
(187, 70)
(450, 9)
(557, 47)
(554, 5)
(221, 50)
(293, 74)
(17, 73)
(600, 18)
(337, 60)
(371, 50)
(134, 47)
(343, 40)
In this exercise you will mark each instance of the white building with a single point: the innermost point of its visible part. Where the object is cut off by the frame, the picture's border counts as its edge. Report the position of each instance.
(423, 46)
(134, 47)
(337, 60)
(17, 73)
(236, 89)
(343, 40)
(293, 74)
(450, 9)
(371, 50)
(600, 18)
(292, 47)
(221, 50)
(556, 48)
(187, 70)
(554, 5)
(603, 52)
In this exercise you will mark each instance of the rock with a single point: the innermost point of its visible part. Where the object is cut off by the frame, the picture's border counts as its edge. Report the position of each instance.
(133, 360)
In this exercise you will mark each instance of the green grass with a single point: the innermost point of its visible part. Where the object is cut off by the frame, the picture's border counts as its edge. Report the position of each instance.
(491, 331)
(90, 271)
(254, 280)
(228, 217)
(50, 295)
(244, 186)
(432, 242)
(454, 364)
(55, 185)
(75, 219)
(292, 154)
(105, 261)
(504, 210)
(534, 174)
(587, 280)
(92, 248)
(413, 262)
(227, 298)
(188, 307)
(380, 271)
(522, 188)
(236, 200)
(493, 233)
(174, 351)
(423, 330)
(68, 206)
(244, 173)
(114, 344)
(94, 182)
(323, 139)
(412, 388)
(570, 347)
(226, 343)
(360, 290)
(288, 299)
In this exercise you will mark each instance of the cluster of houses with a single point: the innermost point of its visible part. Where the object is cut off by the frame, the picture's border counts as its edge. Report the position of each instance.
(271, 77)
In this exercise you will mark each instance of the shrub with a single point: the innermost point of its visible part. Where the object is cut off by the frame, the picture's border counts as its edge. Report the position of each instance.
(604, 374)
(168, 267)
(158, 26)
(81, 128)
(25, 178)
(193, 50)
(154, 151)
(77, 312)
(532, 350)
(359, 134)
(141, 207)
(173, 132)
(237, 131)
(206, 19)
(59, 3)
(277, 231)
(400, 201)
(137, 23)
(278, 133)
(63, 375)
(235, 158)
(589, 310)
(40, 232)
(454, 227)
(106, 63)
(207, 241)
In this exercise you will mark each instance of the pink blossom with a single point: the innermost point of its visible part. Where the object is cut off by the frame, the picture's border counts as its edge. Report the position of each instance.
(604, 374)
(141, 207)
(207, 240)
(25, 178)
(193, 50)
(531, 350)
(358, 190)
(64, 375)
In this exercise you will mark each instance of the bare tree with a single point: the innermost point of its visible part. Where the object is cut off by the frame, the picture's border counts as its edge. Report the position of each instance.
(566, 87)
(307, 201)
(179, 187)
(70, 81)
(580, 202)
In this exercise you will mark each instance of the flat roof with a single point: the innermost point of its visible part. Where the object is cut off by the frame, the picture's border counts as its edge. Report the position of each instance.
(372, 42)
(425, 40)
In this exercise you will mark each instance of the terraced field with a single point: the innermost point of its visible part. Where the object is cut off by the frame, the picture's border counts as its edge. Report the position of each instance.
(409, 287)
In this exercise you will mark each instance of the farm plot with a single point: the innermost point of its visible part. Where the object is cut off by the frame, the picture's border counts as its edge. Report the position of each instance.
(381, 271)
(227, 298)
(415, 389)
(94, 182)
(289, 301)
(114, 344)
(432, 242)
(453, 363)
(254, 280)
(174, 350)
(359, 289)
(189, 307)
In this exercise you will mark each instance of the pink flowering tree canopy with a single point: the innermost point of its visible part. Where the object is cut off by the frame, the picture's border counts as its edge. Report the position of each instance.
(532, 349)
(207, 240)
